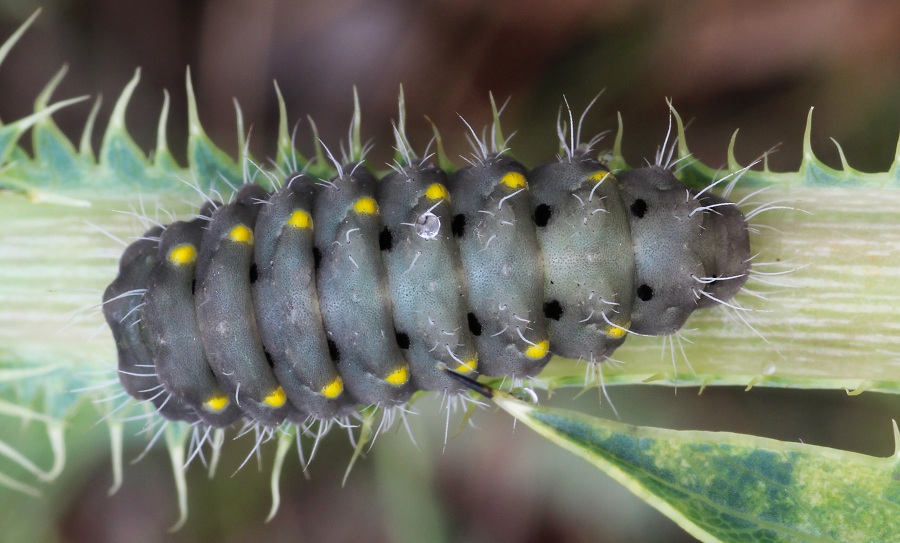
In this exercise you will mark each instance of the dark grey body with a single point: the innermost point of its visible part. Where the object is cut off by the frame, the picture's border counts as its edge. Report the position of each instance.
(287, 301)
(359, 291)
(503, 265)
(353, 291)
(172, 331)
(588, 257)
(425, 274)
(137, 373)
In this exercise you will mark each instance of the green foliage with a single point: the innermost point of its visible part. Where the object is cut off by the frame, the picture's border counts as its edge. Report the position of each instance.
(733, 487)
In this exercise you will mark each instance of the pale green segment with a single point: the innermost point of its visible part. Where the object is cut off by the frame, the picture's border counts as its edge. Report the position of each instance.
(733, 487)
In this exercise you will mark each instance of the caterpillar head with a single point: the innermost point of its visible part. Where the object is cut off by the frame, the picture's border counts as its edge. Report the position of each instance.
(725, 251)
(691, 250)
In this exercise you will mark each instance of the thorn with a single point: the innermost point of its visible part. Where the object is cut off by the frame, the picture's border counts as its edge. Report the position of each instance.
(44, 97)
(499, 142)
(732, 161)
(683, 150)
(443, 162)
(194, 126)
(808, 155)
(241, 135)
(162, 145)
(117, 117)
(845, 166)
(11, 41)
(616, 160)
(85, 149)
(356, 150)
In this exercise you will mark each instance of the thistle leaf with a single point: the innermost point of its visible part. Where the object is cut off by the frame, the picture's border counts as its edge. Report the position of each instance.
(724, 487)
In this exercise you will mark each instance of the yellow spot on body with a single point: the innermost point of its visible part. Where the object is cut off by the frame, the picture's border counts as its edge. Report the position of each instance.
(398, 377)
(599, 176)
(241, 234)
(436, 191)
(216, 404)
(184, 254)
(366, 206)
(538, 351)
(617, 333)
(276, 398)
(468, 366)
(334, 388)
(513, 180)
(300, 219)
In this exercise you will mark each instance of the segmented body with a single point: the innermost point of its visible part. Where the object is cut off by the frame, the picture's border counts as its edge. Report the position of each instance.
(304, 303)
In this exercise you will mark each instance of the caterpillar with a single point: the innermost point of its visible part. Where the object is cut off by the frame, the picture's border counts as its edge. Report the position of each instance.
(304, 302)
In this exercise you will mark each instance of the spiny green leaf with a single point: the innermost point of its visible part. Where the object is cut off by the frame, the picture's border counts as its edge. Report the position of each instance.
(52, 149)
(119, 153)
(10, 133)
(724, 487)
(209, 164)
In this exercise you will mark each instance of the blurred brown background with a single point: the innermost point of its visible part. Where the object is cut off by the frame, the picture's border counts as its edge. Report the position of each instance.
(754, 65)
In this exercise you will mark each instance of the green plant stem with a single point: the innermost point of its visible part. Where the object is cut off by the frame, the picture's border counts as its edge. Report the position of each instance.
(833, 324)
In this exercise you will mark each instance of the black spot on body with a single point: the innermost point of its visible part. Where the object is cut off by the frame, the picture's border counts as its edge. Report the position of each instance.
(542, 215)
(553, 310)
(645, 293)
(333, 351)
(474, 325)
(386, 239)
(269, 358)
(402, 340)
(193, 287)
(254, 273)
(639, 208)
(458, 226)
(317, 258)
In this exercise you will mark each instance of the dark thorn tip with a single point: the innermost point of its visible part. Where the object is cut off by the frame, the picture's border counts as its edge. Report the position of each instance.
(484, 390)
